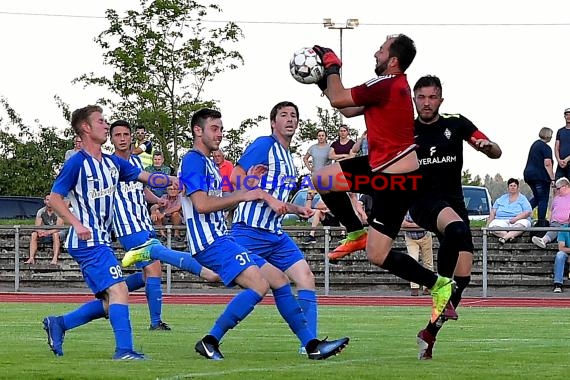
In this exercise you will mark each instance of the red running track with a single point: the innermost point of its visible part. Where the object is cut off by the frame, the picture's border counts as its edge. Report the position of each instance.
(203, 299)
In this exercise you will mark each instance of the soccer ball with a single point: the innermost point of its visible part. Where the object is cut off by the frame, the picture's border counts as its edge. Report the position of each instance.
(306, 66)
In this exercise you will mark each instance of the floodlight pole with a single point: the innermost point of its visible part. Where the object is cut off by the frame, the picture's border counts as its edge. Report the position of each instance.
(350, 23)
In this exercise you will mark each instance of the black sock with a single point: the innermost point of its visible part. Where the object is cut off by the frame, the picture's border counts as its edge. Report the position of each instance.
(341, 207)
(462, 283)
(404, 266)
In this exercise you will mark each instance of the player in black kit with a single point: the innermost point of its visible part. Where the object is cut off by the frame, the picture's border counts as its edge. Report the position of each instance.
(441, 208)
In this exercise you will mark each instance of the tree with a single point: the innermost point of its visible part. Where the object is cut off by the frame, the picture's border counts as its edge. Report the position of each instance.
(466, 179)
(162, 57)
(234, 142)
(29, 161)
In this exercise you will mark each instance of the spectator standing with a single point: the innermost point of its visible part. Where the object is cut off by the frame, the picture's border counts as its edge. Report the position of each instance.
(360, 148)
(142, 146)
(158, 167)
(562, 148)
(46, 216)
(340, 149)
(539, 173)
(560, 209)
(420, 246)
(318, 154)
(510, 210)
(77, 145)
(225, 167)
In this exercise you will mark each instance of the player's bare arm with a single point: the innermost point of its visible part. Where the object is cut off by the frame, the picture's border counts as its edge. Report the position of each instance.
(60, 207)
(238, 174)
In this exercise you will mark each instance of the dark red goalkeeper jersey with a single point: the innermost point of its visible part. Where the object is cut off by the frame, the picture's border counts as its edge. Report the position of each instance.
(389, 118)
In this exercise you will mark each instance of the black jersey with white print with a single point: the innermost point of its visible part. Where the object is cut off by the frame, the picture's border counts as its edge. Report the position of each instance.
(440, 153)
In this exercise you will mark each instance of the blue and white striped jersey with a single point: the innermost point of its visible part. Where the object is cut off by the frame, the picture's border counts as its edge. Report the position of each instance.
(199, 173)
(90, 185)
(280, 179)
(131, 212)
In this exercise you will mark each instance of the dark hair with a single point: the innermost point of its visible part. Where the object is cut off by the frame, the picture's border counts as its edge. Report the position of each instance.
(199, 118)
(158, 153)
(278, 106)
(81, 115)
(512, 180)
(140, 126)
(404, 49)
(343, 126)
(429, 81)
(322, 130)
(119, 123)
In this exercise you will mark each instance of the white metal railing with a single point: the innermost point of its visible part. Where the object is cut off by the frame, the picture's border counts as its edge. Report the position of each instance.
(19, 229)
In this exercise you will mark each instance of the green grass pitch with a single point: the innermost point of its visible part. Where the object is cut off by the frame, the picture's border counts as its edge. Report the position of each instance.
(485, 343)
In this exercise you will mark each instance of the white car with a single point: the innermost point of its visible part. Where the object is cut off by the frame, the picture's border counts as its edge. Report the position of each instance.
(477, 201)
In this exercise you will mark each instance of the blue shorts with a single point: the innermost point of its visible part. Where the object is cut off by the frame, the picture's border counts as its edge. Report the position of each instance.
(134, 240)
(99, 267)
(228, 259)
(279, 250)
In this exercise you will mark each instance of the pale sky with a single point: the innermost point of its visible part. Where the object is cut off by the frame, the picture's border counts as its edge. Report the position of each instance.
(504, 64)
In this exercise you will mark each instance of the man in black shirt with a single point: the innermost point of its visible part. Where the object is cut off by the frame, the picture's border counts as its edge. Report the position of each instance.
(440, 207)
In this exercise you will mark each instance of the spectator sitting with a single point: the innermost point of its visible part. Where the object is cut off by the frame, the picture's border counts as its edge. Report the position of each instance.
(170, 213)
(420, 246)
(158, 167)
(322, 215)
(77, 145)
(560, 209)
(561, 259)
(364, 208)
(46, 216)
(510, 210)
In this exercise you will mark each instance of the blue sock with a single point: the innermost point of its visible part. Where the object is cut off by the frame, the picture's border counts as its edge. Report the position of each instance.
(135, 281)
(292, 313)
(84, 314)
(154, 299)
(179, 259)
(121, 324)
(308, 301)
(236, 310)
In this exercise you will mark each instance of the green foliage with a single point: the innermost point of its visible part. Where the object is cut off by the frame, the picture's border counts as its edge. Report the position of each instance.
(234, 142)
(467, 180)
(29, 161)
(162, 57)
(485, 343)
(327, 120)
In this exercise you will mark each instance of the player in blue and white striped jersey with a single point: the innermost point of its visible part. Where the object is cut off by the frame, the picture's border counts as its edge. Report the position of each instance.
(90, 179)
(257, 226)
(133, 227)
(214, 248)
